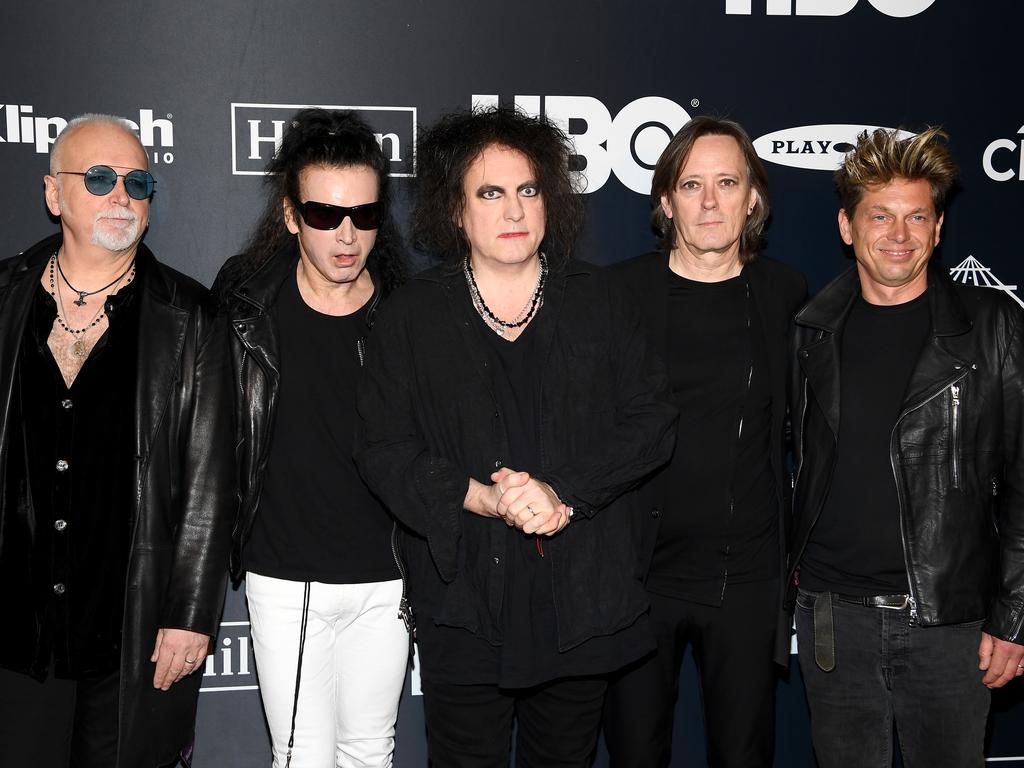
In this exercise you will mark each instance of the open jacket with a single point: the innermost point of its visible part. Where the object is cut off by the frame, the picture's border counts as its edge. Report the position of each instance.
(183, 505)
(255, 358)
(430, 422)
(955, 449)
(777, 291)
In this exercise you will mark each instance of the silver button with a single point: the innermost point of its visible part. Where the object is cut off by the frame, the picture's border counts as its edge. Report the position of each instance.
(61, 465)
(60, 525)
(59, 589)
(497, 559)
(66, 403)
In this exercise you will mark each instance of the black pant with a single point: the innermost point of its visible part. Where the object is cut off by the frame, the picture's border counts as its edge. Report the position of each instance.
(470, 726)
(58, 723)
(732, 647)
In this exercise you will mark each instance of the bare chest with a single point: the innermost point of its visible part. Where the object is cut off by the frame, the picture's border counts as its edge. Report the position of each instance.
(71, 350)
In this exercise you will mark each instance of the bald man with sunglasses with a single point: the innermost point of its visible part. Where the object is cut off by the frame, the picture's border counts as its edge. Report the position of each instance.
(116, 473)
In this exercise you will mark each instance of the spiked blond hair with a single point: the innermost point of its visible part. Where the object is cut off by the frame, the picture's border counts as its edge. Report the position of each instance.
(882, 156)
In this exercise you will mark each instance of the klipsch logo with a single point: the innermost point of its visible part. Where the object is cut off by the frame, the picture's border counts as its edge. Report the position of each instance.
(896, 8)
(815, 147)
(999, 161)
(628, 144)
(257, 130)
(21, 126)
(230, 666)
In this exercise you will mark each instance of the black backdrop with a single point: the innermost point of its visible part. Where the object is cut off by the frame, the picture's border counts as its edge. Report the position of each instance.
(206, 81)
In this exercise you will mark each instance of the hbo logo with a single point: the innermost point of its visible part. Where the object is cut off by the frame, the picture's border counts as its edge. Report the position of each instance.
(633, 140)
(898, 8)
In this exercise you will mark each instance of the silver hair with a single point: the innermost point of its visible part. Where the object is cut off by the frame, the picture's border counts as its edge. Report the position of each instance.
(89, 118)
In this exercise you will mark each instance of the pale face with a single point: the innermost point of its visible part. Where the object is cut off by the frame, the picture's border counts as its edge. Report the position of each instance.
(712, 199)
(893, 231)
(503, 213)
(114, 221)
(334, 255)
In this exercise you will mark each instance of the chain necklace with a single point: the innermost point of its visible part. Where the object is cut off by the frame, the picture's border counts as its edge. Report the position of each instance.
(526, 314)
(80, 301)
(78, 347)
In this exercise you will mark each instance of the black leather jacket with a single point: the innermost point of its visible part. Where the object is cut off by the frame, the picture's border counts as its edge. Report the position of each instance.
(256, 362)
(955, 449)
(183, 473)
(428, 412)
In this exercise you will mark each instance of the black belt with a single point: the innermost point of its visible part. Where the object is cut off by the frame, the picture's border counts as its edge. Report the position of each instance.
(892, 602)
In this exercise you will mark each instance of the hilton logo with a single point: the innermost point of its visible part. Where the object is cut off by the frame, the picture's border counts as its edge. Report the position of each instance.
(230, 667)
(257, 130)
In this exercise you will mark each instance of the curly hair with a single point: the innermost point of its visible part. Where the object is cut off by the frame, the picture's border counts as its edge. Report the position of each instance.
(670, 166)
(449, 147)
(323, 139)
(882, 156)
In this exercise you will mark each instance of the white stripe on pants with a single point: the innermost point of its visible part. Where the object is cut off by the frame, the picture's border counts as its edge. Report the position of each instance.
(353, 669)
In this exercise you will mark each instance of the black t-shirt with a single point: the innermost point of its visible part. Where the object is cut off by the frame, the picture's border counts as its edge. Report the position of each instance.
(317, 521)
(855, 547)
(528, 654)
(720, 523)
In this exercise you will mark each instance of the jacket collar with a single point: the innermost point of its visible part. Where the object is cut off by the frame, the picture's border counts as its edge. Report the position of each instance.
(827, 311)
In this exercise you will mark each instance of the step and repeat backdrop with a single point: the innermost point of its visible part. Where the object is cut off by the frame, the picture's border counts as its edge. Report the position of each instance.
(212, 85)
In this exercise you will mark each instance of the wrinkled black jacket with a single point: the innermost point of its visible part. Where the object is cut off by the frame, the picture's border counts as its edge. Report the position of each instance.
(428, 412)
(955, 449)
(777, 291)
(256, 363)
(184, 503)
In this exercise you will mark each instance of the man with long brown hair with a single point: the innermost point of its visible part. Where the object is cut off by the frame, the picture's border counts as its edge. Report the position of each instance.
(719, 314)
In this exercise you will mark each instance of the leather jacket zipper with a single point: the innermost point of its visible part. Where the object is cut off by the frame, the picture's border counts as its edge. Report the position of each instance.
(954, 449)
(897, 477)
(404, 609)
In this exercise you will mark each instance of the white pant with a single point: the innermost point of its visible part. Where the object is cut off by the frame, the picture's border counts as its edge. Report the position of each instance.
(353, 669)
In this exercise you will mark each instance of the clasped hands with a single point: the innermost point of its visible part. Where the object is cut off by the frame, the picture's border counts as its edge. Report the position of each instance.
(527, 503)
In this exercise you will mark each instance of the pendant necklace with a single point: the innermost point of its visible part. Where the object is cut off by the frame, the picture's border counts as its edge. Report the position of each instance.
(526, 314)
(78, 347)
(80, 301)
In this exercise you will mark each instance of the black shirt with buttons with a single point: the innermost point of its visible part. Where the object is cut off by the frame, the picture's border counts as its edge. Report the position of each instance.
(77, 456)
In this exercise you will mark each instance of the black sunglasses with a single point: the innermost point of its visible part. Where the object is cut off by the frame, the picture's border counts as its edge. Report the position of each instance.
(324, 216)
(100, 179)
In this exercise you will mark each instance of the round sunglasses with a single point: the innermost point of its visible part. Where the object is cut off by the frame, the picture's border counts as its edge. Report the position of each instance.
(101, 179)
(324, 216)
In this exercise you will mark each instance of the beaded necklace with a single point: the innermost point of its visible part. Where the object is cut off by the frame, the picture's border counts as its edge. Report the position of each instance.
(526, 314)
(78, 347)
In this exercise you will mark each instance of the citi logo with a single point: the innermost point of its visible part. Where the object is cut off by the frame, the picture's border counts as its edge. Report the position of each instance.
(628, 144)
(814, 147)
(999, 161)
(230, 666)
(257, 131)
(897, 8)
(21, 126)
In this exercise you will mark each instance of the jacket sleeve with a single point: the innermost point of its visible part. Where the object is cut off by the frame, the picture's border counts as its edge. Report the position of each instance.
(645, 419)
(1006, 616)
(425, 492)
(205, 488)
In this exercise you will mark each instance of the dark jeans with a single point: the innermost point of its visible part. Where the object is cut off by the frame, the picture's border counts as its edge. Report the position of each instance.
(732, 648)
(470, 726)
(58, 723)
(890, 671)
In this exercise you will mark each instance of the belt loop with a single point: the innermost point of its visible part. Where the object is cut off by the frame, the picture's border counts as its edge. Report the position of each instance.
(824, 633)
